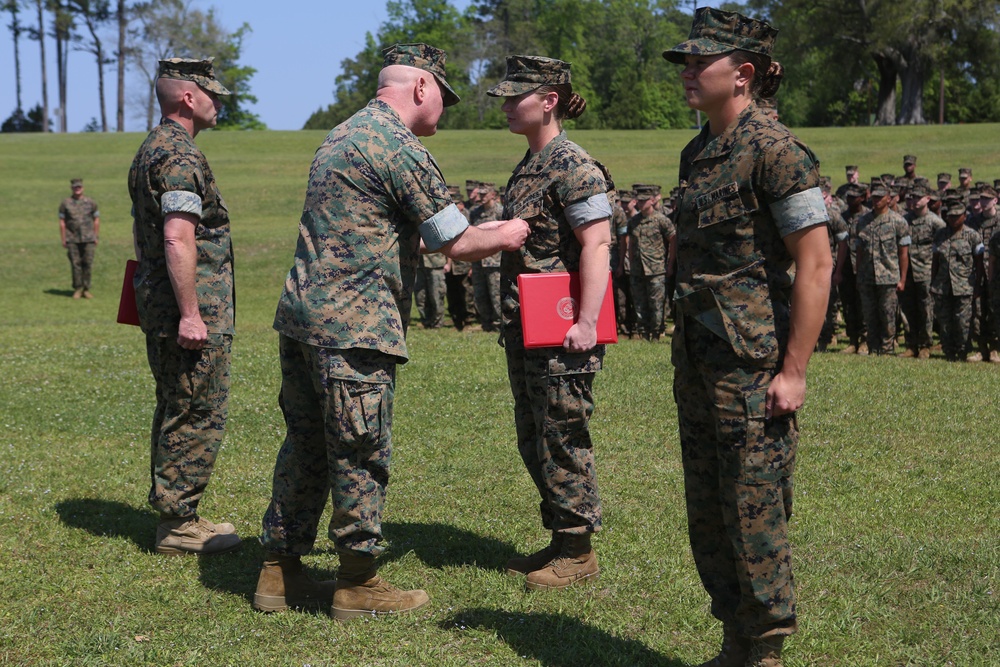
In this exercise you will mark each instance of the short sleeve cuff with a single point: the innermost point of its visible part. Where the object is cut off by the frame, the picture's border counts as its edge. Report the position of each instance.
(799, 211)
(842, 236)
(442, 227)
(97, 214)
(980, 249)
(587, 210)
(906, 240)
(180, 201)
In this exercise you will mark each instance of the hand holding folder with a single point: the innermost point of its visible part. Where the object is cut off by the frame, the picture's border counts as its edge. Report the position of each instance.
(550, 305)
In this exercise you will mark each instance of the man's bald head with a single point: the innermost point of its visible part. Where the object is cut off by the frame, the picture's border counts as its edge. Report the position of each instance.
(399, 76)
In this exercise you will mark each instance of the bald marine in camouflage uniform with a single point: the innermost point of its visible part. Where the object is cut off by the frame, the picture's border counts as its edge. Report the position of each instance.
(744, 333)
(650, 247)
(567, 197)
(374, 200)
(184, 294)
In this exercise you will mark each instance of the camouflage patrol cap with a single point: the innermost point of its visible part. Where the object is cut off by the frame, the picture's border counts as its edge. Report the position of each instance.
(918, 191)
(625, 195)
(483, 185)
(888, 179)
(825, 184)
(996, 184)
(878, 188)
(644, 192)
(453, 190)
(714, 32)
(528, 73)
(471, 184)
(855, 190)
(189, 69)
(922, 181)
(425, 57)
(943, 176)
(987, 191)
(909, 159)
(965, 172)
(954, 207)
(851, 169)
(75, 182)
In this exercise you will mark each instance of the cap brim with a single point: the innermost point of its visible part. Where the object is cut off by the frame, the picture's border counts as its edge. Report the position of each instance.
(212, 85)
(449, 95)
(512, 88)
(696, 47)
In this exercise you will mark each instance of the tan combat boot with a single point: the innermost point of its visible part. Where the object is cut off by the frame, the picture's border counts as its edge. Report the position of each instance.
(361, 592)
(575, 564)
(192, 535)
(765, 652)
(77, 293)
(283, 584)
(522, 565)
(734, 652)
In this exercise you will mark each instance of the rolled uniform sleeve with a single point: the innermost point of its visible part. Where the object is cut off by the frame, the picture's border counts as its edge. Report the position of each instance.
(180, 201)
(587, 210)
(442, 227)
(799, 211)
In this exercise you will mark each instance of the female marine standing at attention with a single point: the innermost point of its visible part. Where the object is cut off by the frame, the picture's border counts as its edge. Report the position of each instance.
(751, 217)
(563, 194)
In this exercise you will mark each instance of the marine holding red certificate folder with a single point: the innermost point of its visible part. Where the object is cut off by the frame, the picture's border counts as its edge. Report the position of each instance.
(563, 193)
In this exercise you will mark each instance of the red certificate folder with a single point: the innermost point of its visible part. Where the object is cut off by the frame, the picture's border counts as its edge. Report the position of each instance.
(127, 311)
(550, 305)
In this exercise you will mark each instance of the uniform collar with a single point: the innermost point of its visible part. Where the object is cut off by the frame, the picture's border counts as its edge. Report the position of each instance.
(725, 142)
(542, 156)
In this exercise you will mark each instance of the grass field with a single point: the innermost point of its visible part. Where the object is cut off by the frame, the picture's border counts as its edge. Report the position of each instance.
(896, 527)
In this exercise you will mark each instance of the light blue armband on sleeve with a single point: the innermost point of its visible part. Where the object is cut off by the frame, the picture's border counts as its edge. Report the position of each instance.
(799, 211)
(442, 227)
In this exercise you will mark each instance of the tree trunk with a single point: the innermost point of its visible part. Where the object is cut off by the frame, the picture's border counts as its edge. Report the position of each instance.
(15, 29)
(45, 82)
(888, 71)
(913, 73)
(100, 84)
(122, 25)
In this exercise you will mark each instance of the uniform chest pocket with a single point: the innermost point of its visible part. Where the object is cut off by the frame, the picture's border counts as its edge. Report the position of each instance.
(729, 209)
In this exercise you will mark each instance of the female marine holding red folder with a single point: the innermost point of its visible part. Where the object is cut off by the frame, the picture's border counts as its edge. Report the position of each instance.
(563, 194)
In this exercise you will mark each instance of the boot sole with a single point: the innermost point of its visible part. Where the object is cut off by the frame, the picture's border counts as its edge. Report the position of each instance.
(178, 551)
(270, 604)
(584, 580)
(339, 614)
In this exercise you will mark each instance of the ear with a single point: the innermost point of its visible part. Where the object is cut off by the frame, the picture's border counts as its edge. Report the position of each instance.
(420, 89)
(550, 101)
(744, 73)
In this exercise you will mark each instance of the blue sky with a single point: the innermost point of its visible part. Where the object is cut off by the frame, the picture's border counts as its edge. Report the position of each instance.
(297, 51)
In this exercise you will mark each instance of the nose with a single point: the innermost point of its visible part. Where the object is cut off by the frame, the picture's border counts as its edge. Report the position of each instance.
(506, 106)
(687, 72)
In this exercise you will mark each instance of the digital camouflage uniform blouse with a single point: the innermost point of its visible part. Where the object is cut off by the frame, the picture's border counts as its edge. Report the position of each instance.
(171, 175)
(747, 189)
(556, 190)
(374, 191)
(79, 215)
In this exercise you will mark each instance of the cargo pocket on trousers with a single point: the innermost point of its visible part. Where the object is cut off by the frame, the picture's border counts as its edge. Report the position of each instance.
(203, 377)
(769, 446)
(361, 418)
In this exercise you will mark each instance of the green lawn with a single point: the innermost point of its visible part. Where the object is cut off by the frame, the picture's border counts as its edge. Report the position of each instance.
(896, 527)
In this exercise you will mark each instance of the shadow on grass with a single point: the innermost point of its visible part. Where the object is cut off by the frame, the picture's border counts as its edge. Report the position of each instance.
(59, 292)
(441, 545)
(234, 572)
(556, 640)
(110, 518)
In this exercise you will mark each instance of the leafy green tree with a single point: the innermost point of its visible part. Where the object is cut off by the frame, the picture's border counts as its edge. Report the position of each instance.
(434, 22)
(18, 122)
